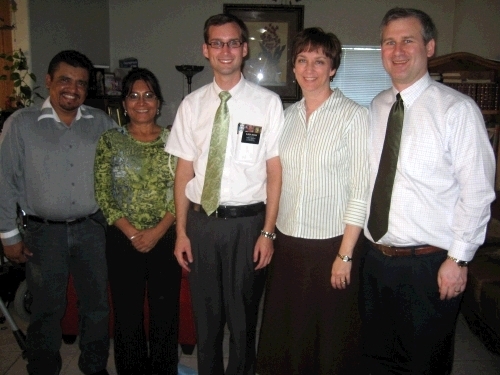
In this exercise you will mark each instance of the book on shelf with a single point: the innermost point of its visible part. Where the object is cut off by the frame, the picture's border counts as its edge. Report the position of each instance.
(470, 80)
(486, 95)
(129, 62)
(436, 76)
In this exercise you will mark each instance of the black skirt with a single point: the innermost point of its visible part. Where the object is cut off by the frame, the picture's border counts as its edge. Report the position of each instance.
(307, 326)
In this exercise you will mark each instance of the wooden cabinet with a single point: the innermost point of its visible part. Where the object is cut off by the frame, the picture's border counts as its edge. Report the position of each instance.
(473, 75)
(479, 78)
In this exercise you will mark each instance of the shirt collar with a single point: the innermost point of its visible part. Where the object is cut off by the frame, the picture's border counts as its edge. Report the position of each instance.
(234, 91)
(49, 112)
(410, 94)
(325, 105)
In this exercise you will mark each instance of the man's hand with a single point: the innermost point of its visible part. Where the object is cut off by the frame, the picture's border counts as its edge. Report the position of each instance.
(452, 279)
(18, 253)
(263, 252)
(183, 252)
(341, 273)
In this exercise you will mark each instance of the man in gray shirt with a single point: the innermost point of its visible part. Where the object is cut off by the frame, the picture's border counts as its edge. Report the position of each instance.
(47, 168)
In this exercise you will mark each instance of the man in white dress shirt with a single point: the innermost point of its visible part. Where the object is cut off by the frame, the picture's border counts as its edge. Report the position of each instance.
(415, 269)
(227, 251)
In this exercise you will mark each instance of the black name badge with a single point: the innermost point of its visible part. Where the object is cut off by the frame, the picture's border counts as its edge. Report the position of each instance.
(251, 134)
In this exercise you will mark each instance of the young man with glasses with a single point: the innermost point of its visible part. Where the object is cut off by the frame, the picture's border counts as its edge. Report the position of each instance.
(227, 189)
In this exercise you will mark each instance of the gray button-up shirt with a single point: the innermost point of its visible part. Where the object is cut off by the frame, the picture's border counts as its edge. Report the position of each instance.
(48, 167)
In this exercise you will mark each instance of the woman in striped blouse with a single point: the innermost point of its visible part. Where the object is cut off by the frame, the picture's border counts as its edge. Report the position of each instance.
(311, 321)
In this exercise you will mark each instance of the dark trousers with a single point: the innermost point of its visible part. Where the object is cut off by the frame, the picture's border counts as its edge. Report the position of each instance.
(225, 288)
(407, 329)
(130, 274)
(58, 250)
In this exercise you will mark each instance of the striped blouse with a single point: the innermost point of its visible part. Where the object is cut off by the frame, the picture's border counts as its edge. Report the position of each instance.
(325, 168)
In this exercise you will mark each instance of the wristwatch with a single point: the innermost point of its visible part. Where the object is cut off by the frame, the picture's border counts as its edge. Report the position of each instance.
(460, 263)
(269, 235)
(345, 258)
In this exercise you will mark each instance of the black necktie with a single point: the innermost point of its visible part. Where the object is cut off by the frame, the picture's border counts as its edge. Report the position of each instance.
(378, 222)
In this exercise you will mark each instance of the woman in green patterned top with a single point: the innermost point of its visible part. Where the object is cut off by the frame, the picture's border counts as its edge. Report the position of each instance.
(134, 179)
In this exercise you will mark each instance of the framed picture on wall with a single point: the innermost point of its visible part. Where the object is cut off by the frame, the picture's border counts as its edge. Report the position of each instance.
(111, 85)
(271, 31)
(96, 84)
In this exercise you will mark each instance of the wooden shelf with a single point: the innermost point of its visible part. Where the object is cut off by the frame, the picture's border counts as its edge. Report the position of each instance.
(490, 112)
(475, 67)
(472, 67)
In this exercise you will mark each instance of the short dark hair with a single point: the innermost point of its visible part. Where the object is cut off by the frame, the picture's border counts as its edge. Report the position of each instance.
(141, 74)
(429, 30)
(71, 57)
(222, 19)
(314, 39)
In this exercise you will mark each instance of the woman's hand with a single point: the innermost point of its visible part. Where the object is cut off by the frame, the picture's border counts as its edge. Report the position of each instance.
(341, 274)
(146, 239)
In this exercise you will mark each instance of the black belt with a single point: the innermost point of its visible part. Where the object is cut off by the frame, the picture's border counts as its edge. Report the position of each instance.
(232, 212)
(39, 219)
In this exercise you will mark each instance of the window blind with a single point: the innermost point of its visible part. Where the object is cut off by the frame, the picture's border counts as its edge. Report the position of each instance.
(361, 74)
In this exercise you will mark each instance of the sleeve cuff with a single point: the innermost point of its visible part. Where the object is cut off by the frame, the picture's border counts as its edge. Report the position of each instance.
(11, 238)
(462, 251)
(355, 213)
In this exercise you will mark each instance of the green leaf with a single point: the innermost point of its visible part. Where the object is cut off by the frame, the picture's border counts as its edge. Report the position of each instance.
(26, 90)
(15, 76)
(17, 83)
(33, 77)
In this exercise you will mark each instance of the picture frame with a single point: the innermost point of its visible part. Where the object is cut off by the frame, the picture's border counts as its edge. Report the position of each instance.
(111, 85)
(96, 84)
(271, 31)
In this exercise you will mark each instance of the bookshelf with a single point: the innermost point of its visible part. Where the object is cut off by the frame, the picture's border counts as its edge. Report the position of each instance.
(473, 75)
(480, 79)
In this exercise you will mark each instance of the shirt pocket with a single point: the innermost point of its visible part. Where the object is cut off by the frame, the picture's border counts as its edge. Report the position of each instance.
(248, 145)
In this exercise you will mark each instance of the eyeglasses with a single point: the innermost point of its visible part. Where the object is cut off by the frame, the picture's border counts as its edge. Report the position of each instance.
(218, 44)
(147, 96)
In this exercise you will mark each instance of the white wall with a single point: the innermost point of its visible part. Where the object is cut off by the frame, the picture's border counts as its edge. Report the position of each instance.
(476, 28)
(165, 33)
(57, 25)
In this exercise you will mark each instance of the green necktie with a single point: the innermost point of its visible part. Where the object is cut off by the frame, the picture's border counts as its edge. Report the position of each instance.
(216, 155)
(378, 223)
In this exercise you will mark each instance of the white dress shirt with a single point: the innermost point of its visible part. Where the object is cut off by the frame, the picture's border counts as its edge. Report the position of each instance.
(444, 179)
(244, 175)
(325, 168)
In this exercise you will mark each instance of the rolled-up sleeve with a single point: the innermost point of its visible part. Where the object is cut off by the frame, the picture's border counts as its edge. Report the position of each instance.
(357, 141)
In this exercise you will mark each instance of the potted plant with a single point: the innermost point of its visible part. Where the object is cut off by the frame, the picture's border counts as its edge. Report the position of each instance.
(23, 95)
(17, 71)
